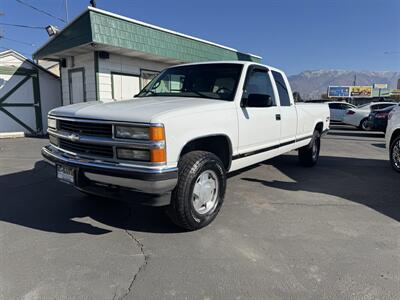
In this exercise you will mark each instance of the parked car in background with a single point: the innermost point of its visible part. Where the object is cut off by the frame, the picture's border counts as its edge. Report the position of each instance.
(359, 116)
(393, 137)
(338, 110)
(175, 142)
(378, 119)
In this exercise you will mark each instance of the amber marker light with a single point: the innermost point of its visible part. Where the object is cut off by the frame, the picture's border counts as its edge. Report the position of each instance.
(157, 134)
(158, 155)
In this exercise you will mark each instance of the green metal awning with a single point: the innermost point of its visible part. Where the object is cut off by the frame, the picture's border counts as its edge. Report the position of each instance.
(97, 29)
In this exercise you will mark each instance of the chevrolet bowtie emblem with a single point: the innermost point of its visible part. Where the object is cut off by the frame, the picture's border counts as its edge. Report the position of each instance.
(73, 137)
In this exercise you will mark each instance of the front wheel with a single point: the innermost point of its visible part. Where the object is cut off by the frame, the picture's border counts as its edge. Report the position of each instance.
(395, 154)
(309, 154)
(199, 194)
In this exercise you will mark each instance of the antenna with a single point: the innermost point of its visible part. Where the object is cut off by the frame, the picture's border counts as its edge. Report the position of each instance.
(66, 10)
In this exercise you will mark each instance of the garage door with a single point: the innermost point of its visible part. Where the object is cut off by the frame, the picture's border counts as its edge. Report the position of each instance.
(19, 100)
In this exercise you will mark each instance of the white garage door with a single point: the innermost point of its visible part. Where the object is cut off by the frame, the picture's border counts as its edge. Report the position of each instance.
(124, 86)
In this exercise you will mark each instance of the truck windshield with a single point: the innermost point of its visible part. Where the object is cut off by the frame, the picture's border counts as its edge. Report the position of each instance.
(212, 81)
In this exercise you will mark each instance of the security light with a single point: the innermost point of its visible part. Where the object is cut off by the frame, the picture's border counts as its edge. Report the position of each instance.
(52, 30)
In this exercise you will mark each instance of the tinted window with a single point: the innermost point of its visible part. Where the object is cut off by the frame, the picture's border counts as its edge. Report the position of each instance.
(282, 89)
(385, 105)
(258, 82)
(335, 106)
(347, 106)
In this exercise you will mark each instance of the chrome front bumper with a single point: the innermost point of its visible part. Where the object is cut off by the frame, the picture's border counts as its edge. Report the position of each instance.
(146, 180)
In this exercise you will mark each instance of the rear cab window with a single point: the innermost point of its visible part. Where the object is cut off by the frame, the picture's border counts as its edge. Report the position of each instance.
(282, 89)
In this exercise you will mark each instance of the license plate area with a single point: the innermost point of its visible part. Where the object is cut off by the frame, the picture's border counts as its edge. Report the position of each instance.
(66, 174)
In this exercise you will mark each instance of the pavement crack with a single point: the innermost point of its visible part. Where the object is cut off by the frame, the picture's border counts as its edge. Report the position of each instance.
(142, 266)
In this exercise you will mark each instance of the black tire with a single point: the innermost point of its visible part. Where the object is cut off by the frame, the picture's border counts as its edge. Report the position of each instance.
(309, 154)
(395, 154)
(181, 210)
(364, 125)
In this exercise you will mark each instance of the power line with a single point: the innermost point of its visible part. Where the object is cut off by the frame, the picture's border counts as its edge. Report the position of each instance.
(40, 10)
(17, 41)
(22, 26)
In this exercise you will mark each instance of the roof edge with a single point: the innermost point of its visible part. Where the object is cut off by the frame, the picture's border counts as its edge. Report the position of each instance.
(104, 12)
(19, 55)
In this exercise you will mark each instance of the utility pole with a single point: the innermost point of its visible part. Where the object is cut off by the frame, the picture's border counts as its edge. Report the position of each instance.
(355, 79)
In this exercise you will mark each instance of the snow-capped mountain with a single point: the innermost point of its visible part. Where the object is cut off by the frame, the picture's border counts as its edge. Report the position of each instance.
(312, 84)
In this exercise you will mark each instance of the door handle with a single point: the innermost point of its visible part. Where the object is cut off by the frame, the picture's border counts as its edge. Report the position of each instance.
(278, 117)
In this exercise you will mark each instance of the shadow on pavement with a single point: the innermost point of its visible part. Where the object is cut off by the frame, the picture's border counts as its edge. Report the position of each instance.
(365, 181)
(35, 199)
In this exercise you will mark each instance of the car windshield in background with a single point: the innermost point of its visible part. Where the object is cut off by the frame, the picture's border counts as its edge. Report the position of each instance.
(212, 81)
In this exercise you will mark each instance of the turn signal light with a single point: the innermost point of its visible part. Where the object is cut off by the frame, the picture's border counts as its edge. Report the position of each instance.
(157, 134)
(350, 112)
(158, 155)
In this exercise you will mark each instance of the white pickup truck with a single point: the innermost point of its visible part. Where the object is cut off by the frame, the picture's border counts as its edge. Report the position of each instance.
(173, 144)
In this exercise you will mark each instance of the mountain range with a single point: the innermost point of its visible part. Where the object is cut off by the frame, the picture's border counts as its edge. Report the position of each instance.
(312, 84)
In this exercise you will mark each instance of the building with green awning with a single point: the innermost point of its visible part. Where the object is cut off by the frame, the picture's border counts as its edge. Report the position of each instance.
(109, 57)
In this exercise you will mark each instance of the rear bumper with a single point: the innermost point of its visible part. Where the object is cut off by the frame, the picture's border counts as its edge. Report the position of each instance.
(146, 185)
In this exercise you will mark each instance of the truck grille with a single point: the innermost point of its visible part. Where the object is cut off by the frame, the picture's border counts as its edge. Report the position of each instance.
(85, 128)
(88, 149)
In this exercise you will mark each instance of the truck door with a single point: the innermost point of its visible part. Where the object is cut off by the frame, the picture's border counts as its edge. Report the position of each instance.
(259, 125)
(288, 109)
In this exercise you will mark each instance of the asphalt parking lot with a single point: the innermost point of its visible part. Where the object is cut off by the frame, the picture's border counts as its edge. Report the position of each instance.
(285, 232)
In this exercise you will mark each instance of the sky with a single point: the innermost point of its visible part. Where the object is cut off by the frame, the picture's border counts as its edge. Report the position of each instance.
(294, 35)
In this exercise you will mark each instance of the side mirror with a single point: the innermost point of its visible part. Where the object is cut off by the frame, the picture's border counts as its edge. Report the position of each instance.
(257, 100)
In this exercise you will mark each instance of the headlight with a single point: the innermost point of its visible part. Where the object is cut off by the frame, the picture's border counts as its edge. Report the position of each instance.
(141, 133)
(52, 123)
(133, 154)
(130, 132)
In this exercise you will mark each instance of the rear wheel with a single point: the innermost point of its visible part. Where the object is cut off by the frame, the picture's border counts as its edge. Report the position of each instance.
(309, 154)
(395, 154)
(199, 194)
(364, 124)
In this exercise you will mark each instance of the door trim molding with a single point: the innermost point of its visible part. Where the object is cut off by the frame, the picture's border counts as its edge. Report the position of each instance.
(273, 147)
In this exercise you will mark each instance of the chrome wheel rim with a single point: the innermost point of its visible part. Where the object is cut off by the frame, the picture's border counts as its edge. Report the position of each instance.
(396, 154)
(364, 125)
(205, 192)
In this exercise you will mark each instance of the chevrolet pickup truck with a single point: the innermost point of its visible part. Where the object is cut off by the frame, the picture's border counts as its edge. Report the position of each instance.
(173, 144)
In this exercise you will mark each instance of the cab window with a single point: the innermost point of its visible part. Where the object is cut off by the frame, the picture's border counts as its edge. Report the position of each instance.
(282, 89)
(258, 82)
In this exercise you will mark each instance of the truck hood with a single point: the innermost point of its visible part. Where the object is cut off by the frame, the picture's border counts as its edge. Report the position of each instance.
(143, 110)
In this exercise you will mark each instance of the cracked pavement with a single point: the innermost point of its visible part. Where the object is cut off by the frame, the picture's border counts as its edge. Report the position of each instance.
(284, 232)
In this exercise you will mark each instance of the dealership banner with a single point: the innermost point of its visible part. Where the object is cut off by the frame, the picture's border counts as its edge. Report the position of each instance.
(362, 91)
(339, 91)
